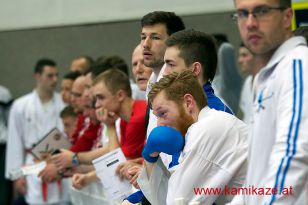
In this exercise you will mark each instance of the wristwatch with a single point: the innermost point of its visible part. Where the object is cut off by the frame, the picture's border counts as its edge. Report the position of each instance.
(75, 161)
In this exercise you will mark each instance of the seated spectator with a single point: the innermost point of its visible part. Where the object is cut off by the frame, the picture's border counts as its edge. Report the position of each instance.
(141, 74)
(214, 154)
(106, 63)
(69, 119)
(81, 64)
(113, 98)
(66, 86)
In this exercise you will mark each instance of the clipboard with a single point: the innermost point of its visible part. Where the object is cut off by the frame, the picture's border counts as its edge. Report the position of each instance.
(52, 141)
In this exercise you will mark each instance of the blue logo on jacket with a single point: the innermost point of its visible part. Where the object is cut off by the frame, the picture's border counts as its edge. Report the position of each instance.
(262, 98)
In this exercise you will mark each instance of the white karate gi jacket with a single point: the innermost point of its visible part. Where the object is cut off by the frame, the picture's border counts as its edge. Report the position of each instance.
(214, 156)
(29, 121)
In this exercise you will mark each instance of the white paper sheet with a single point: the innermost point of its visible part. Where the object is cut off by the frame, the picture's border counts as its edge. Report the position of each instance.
(34, 169)
(105, 167)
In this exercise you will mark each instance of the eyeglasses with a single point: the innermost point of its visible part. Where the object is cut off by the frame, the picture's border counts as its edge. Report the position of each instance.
(75, 94)
(258, 13)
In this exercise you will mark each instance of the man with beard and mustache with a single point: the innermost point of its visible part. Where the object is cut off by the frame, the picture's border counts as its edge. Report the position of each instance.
(215, 150)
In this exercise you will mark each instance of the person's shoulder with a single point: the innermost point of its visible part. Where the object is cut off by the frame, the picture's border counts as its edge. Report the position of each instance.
(215, 129)
(5, 94)
(23, 98)
(295, 58)
(140, 104)
(297, 48)
(21, 102)
(300, 52)
(139, 110)
(216, 121)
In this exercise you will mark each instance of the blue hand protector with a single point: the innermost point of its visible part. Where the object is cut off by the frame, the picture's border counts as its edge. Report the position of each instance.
(175, 160)
(135, 197)
(163, 139)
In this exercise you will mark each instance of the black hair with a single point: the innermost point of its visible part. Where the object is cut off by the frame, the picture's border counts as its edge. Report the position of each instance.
(173, 22)
(196, 46)
(39, 67)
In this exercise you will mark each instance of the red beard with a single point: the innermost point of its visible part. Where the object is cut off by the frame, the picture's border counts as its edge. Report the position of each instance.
(184, 121)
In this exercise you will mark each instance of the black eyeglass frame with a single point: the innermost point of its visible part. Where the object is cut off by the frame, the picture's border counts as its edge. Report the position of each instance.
(256, 12)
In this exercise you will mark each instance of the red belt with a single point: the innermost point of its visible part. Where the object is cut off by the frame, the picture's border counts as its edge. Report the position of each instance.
(45, 189)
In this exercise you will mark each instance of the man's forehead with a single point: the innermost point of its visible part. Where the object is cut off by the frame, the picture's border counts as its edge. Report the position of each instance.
(100, 87)
(49, 69)
(88, 79)
(159, 100)
(172, 51)
(154, 29)
(254, 3)
(97, 86)
(137, 56)
(67, 82)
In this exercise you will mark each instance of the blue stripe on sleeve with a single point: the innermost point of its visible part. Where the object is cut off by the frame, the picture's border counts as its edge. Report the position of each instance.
(297, 123)
(287, 155)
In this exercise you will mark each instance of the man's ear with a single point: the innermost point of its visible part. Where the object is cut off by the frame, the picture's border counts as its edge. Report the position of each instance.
(189, 102)
(197, 68)
(288, 17)
(120, 94)
(36, 76)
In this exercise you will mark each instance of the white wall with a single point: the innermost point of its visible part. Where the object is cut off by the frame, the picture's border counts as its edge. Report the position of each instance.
(26, 14)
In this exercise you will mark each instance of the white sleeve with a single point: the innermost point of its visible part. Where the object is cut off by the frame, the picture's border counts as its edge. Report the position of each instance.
(194, 177)
(288, 164)
(15, 152)
(155, 188)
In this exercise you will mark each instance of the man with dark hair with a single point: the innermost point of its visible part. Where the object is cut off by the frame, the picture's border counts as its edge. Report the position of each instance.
(39, 67)
(81, 64)
(115, 62)
(214, 154)
(195, 50)
(279, 126)
(32, 117)
(87, 129)
(107, 63)
(172, 22)
(66, 86)
(69, 119)
(156, 26)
